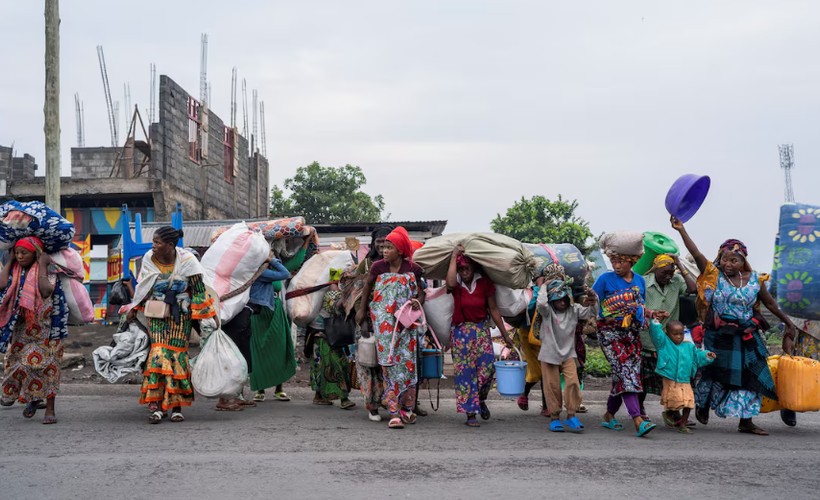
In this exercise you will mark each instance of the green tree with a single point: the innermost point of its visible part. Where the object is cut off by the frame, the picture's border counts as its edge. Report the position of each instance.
(539, 220)
(327, 195)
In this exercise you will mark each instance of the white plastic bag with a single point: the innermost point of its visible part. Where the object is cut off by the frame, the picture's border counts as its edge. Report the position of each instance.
(438, 308)
(511, 302)
(220, 369)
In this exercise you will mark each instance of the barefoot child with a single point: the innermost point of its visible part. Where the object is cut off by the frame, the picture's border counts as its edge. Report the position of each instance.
(677, 363)
(557, 355)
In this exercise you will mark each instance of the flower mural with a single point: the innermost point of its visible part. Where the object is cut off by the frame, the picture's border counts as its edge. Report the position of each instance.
(806, 225)
(792, 288)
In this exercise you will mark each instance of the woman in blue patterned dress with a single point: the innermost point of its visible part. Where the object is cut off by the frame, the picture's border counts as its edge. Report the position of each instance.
(729, 294)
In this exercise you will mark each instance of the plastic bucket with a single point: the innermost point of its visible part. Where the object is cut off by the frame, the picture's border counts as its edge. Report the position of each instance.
(432, 363)
(654, 244)
(510, 377)
(686, 195)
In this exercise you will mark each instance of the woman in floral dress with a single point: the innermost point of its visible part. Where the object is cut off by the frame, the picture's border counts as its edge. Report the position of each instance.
(173, 276)
(729, 293)
(394, 281)
(33, 323)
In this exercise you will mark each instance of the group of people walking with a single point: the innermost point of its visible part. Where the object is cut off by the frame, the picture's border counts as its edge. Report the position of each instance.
(637, 324)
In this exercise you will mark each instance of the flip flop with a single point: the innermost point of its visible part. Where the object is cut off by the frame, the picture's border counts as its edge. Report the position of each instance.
(757, 431)
(523, 403)
(281, 396)
(581, 409)
(613, 425)
(685, 430)
(668, 420)
(472, 422)
(31, 408)
(246, 402)
(155, 417)
(556, 426)
(395, 423)
(574, 425)
(228, 407)
(347, 404)
(645, 428)
(177, 417)
(322, 402)
(259, 397)
(50, 419)
(7, 401)
(408, 417)
(484, 411)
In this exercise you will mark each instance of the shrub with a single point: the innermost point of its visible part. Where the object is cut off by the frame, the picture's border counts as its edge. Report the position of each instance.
(597, 365)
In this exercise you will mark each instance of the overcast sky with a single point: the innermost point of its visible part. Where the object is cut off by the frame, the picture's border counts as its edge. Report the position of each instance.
(456, 109)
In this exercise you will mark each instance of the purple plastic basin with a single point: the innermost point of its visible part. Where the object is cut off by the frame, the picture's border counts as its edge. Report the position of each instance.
(687, 195)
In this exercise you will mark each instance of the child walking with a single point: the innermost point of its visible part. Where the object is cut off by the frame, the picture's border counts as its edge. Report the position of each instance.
(557, 355)
(678, 361)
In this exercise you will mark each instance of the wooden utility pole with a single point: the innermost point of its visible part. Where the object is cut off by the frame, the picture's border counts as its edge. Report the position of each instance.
(51, 109)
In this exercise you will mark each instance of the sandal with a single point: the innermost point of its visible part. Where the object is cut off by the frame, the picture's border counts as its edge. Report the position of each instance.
(395, 423)
(556, 426)
(408, 417)
(702, 415)
(668, 420)
(318, 401)
(155, 417)
(574, 425)
(6, 401)
(753, 429)
(259, 396)
(645, 428)
(471, 421)
(228, 407)
(523, 403)
(613, 425)
(177, 417)
(347, 404)
(31, 408)
(246, 402)
(50, 419)
(281, 396)
(484, 411)
(685, 430)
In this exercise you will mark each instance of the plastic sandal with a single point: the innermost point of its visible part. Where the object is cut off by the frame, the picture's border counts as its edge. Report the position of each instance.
(613, 425)
(685, 430)
(6, 401)
(407, 417)
(574, 425)
(581, 409)
(374, 417)
(347, 404)
(155, 417)
(523, 403)
(259, 396)
(246, 402)
(484, 411)
(31, 408)
(281, 396)
(320, 402)
(472, 422)
(645, 428)
(228, 407)
(556, 426)
(177, 417)
(395, 423)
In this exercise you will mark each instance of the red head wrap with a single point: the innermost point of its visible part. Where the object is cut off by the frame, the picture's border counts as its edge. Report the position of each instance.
(401, 240)
(31, 243)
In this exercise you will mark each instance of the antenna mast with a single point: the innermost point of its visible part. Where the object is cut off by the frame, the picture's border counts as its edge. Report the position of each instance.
(255, 136)
(112, 123)
(787, 164)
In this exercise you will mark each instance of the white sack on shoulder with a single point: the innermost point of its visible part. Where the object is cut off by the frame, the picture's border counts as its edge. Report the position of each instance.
(316, 271)
(438, 308)
(512, 302)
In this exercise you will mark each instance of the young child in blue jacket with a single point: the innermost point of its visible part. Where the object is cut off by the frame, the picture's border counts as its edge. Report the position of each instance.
(678, 361)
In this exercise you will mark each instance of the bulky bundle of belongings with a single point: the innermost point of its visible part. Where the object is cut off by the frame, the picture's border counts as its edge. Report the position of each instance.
(34, 218)
(797, 261)
(565, 254)
(69, 268)
(125, 357)
(623, 242)
(219, 369)
(307, 289)
(232, 264)
(292, 241)
(505, 260)
(512, 302)
(438, 308)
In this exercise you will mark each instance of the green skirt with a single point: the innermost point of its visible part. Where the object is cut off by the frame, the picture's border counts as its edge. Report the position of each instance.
(272, 353)
(330, 371)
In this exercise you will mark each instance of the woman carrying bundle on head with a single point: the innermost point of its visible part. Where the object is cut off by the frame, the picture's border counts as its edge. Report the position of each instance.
(472, 344)
(33, 323)
(395, 281)
(170, 294)
(729, 293)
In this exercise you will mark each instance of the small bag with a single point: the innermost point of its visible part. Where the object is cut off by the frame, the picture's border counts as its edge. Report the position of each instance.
(119, 294)
(340, 330)
(408, 316)
(366, 352)
(156, 309)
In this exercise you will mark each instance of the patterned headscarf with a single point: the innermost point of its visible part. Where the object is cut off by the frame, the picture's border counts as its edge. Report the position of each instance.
(557, 290)
(553, 271)
(662, 260)
(401, 240)
(613, 255)
(733, 246)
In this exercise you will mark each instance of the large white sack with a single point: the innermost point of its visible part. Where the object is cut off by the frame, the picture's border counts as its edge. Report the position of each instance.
(505, 260)
(231, 262)
(219, 369)
(512, 302)
(315, 271)
(70, 272)
(438, 309)
(623, 242)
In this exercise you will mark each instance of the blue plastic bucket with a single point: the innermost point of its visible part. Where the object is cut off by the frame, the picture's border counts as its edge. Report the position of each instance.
(510, 377)
(432, 363)
(686, 195)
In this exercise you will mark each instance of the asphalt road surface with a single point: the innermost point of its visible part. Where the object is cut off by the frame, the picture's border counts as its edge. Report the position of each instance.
(103, 447)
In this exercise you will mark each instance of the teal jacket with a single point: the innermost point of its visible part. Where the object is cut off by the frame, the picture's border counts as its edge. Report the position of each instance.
(678, 362)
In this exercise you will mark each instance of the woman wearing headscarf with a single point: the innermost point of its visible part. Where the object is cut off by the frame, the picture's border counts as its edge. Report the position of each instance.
(33, 323)
(352, 283)
(728, 302)
(621, 315)
(170, 294)
(394, 281)
(472, 344)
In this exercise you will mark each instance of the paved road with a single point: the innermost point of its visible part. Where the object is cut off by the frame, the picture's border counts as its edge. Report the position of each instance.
(103, 447)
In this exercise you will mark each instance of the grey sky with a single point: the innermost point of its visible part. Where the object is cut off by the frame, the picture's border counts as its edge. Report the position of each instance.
(455, 109)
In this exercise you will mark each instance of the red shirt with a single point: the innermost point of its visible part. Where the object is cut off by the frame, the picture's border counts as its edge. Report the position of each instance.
(472, 306)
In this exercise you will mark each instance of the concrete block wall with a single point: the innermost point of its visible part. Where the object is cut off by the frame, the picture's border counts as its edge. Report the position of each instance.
(23, 168)
(93, 163)
(5, 163)
(201, 187)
